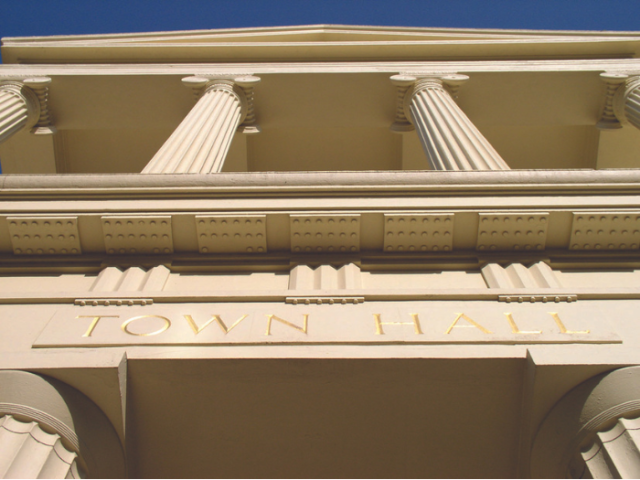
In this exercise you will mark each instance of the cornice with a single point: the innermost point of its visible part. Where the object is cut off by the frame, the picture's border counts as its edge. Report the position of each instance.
(321, 27)
(319, 45)
(331, 184)
(618, 65)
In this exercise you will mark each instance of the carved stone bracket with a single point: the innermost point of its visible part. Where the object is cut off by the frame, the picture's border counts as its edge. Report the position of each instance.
(512, 231)
(419, 233)
(605, 231)
(45, 235)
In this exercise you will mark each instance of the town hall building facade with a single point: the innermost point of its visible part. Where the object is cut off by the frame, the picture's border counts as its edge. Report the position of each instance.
(320, 251)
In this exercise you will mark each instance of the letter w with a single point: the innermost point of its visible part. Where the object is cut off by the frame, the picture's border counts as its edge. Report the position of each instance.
(196, 329)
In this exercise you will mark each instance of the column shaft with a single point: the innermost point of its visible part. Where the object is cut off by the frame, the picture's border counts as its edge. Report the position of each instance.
(201, 142)
(450, 140)
(17, 109)
(27, 451)
(626, 104)
(615, 453)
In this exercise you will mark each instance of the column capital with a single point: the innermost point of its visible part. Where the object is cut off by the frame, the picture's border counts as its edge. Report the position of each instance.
(40, 86)
(410, 84)
(61, 418)
(608, 120)
(579, 419)
(239, 85)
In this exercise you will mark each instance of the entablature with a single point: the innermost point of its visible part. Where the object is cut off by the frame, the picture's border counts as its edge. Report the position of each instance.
(324, 213)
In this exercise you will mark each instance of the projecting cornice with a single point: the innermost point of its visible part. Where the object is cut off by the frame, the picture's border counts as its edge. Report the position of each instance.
(409, 183)
(319, 42)
(624, 66)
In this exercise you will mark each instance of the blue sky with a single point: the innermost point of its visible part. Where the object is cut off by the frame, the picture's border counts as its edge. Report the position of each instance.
(63, 17)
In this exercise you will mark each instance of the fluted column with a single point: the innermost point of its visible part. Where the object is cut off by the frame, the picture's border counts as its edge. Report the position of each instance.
(450, 140)
(614, 453)
(50, 430)
(593, 431)
(201, 142)
(626, 102)
(19, 108)
(28, 451)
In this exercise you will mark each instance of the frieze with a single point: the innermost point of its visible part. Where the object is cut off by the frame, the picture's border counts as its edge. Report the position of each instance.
(412, 322)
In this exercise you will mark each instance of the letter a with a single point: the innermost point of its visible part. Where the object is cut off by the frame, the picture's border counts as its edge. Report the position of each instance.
(473, 323)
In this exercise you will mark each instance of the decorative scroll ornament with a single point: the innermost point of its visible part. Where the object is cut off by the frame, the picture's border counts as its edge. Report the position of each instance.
(608, 120)
(40, 86)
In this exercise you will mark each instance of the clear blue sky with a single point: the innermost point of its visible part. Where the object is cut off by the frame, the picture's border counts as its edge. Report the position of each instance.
(56, 17)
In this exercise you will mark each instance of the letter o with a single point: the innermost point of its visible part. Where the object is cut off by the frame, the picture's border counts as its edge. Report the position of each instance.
(125, 325)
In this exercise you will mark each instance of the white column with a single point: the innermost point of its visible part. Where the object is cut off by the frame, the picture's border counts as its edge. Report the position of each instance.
(201, 142)
(50, 430)
(450, 140)
(593, 431)
(614, 453)
(626, 102)
(19, 108)
(27, 451)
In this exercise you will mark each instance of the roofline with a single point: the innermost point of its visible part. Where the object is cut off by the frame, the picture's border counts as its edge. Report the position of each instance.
(141, 35)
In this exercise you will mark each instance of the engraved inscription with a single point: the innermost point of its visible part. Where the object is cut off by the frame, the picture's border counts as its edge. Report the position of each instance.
(378, 322)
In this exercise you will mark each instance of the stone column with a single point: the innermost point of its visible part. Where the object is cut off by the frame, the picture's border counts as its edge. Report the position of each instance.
(50, 430)
(201, 142)
(626, 102)
(593, 431)
(28, 451)
(19, 108)
(450, 140)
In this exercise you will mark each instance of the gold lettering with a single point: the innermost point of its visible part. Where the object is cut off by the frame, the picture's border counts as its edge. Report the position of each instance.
(473, 323)
(94, 322)
(196, 329)
(303, 329)
(379, 323)
(125, 325)
(561, 326)
(514, 327)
